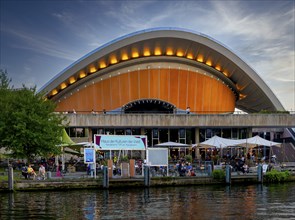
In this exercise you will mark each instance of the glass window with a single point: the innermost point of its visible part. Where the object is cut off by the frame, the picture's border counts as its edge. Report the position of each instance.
(155, 133)
(68, 131)
(128, 131)
(72, 132)
(109, 131)
(226, 133)
(100, 131)
(182, 140)
(243, 133)
(202, 135)
(208, 133)
(234, 133)
(189, 136)
(80, 132)
(216, 132)
(181, 133)
(119, 131)
(148, 133)
(173, 135)
(163, 133)
(136, 131)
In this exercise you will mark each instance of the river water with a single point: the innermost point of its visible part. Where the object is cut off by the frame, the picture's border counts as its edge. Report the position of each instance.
(194, 202)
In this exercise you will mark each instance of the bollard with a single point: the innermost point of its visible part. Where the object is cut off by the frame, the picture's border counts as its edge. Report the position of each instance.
(146, 176)
(259, 173)
(209, 170)
(10, 178)
(228, 174)
(105, 178)
(48, 174)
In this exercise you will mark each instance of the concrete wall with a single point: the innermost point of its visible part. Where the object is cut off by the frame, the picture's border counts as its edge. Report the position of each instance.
(170, 120)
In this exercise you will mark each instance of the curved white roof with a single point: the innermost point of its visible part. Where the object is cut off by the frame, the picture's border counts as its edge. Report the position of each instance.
(173, 45)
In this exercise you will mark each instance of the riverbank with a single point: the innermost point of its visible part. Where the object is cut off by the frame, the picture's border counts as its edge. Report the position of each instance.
(81, 181)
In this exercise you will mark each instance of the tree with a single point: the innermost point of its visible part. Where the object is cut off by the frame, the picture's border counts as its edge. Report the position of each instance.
(4, 80)
(28, 125)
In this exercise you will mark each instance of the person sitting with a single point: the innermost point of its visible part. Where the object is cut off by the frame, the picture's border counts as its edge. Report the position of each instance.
(181, 169)
(31, 172)
(25, 171)
(245, 168)
(189, 169)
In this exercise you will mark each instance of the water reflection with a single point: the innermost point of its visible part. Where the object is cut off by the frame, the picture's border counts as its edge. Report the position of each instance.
(199, 202)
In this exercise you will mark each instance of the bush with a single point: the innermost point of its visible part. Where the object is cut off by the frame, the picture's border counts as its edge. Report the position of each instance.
(124, 159)
(275, 176)
(188, 158)
(218, 174)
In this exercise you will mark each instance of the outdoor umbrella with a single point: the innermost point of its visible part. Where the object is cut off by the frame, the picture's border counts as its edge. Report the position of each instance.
(218, 142)
(258, 141)
(171, 144)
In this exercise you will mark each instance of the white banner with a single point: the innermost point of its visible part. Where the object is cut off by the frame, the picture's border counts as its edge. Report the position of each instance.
(120, 142)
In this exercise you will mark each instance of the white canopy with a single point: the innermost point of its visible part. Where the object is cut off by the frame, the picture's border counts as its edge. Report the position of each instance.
(258, 141)
(219, 142)
(171, 144)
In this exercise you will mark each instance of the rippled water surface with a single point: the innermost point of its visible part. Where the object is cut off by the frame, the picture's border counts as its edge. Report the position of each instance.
(196, 202)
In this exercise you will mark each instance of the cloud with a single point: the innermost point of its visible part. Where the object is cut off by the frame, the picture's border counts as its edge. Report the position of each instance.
(41, 45)
(259, 32)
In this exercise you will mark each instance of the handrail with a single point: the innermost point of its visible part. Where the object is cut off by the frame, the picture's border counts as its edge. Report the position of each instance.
(177, 112)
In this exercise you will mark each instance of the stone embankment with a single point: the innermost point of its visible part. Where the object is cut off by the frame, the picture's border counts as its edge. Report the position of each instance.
(91, 183)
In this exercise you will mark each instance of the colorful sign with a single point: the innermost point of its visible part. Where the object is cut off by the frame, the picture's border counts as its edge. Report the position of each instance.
(89, 155)
(120, 142)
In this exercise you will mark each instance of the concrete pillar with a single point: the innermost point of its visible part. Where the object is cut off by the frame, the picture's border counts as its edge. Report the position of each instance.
(197, 135)
(197, 140)
(90, 136)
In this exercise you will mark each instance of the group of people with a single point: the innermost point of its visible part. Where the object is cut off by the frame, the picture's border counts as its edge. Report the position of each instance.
(239, 164)
(185, 169)
(29, 172)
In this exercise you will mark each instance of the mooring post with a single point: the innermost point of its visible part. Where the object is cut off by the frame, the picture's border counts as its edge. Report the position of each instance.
(146, 176)
(209, 170)
(228, 174)
(10, 178)
(259, 173)
(105, 177)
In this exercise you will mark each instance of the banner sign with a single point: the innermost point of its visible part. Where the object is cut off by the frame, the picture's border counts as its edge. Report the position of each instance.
(120, 142)
(89, 155)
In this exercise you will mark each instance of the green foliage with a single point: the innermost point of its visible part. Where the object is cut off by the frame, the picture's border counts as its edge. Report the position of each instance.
(218, 174)
(188, 158)
(28, 125)
(275, 176)
(124, 159)
(4, 80)
(273, 112)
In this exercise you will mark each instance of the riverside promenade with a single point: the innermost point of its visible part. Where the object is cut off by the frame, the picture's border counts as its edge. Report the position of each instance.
(79, 180)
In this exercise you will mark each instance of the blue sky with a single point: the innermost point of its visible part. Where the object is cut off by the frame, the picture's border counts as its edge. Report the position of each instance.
(41, 38)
